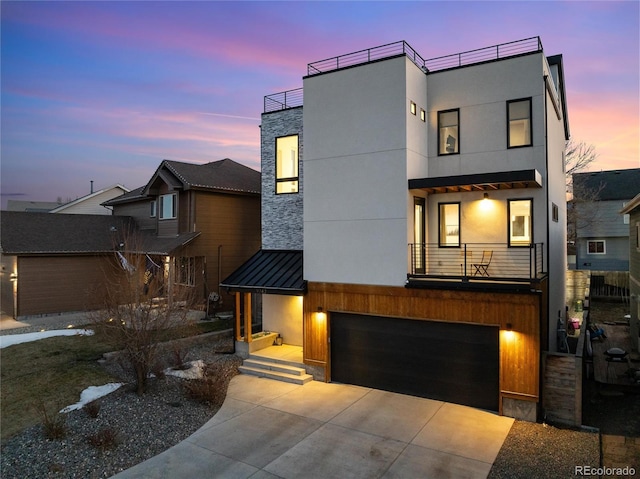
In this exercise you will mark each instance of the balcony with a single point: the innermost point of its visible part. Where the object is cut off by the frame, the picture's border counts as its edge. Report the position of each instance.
(476, 266)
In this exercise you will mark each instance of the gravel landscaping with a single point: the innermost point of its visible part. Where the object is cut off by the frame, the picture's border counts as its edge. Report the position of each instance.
(142, 426)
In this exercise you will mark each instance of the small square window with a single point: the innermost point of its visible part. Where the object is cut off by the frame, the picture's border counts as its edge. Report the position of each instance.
(596, 247)
(423, 115)
(412, 107)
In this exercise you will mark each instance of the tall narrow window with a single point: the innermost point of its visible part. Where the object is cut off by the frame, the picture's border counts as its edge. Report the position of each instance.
(448, 132)
(287, 164)
(153, 209)
(449, 220)
(418, 235)
(168, 206)
(519, 123)
(520, 225)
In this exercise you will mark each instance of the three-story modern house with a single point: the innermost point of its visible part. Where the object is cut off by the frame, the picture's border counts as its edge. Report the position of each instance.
(414, 221)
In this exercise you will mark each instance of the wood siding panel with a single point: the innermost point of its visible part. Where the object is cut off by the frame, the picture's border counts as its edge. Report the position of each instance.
(53, 284)
(228, 222)
(139, 210)
(519, 348)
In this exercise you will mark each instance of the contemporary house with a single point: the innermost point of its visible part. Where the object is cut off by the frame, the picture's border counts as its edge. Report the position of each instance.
(203, 220)
(414, 222)
(632, 209)
(602, 234)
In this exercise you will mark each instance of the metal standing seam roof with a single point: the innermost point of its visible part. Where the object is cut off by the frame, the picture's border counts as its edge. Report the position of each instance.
(269, 271)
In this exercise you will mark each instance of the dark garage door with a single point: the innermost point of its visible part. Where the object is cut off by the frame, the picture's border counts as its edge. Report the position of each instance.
(451, 362)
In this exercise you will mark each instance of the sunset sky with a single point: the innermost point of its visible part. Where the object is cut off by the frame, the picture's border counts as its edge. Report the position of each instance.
(106, 91)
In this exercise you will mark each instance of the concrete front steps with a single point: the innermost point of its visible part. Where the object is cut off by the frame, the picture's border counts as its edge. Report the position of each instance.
(275, 369)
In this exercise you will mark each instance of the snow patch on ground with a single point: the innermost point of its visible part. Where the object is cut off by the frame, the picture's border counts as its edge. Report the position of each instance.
(195, 370)
(91, 394)
(11, 339)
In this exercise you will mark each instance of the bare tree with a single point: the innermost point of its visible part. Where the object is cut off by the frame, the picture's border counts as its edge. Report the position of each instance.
(137, 312)
(578, 157)
(582, 209)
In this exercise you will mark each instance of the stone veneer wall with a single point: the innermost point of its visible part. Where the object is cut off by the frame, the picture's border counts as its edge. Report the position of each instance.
(281, 214)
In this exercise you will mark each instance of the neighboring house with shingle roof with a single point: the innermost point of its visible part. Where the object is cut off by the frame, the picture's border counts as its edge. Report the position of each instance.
(55, 263)
(602, 234)
(196, 222)
(91, 204)
(218, 201)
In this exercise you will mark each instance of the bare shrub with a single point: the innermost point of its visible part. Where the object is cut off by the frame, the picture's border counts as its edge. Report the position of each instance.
(137, 313)
(212, 388)
(54, 424)
(92, 408)
(103, 440)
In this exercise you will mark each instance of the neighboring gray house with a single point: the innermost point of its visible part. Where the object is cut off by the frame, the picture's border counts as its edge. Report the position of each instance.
(632, 210)
(602, 234)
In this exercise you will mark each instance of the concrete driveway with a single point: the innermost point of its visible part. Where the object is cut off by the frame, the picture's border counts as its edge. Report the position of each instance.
(271, 429)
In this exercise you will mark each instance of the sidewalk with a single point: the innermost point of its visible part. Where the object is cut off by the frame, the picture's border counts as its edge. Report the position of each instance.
(319, 430)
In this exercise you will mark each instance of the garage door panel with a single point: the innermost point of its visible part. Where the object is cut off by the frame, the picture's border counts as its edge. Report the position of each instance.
(454, 362)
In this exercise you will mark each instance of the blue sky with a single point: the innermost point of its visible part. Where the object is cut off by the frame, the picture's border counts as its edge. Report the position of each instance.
(105, 91)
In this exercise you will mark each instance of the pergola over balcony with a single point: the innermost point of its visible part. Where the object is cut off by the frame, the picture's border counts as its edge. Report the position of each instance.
(501, 180)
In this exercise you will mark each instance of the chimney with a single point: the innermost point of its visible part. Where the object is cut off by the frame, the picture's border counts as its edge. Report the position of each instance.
(91, 186)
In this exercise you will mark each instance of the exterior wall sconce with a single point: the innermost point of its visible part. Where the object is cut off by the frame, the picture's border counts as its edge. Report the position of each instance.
(320, 315)
(485, 196)
(13, 277)
(509, 326)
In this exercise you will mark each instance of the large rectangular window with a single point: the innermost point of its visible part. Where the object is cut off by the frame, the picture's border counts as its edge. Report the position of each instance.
(448, 132)
(287, 164)
(449, 221)
(185, 270)
(520, 222)
(168, 206)
(519, 123)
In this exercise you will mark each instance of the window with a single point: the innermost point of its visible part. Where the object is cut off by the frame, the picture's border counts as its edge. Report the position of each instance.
(596, 247)
(168, 206)
(153, 211)
(287, 164)
(625, 218)
(449, 221)
(519, 123)
(520, 227)
(185, 270)
(412, 107)
(638, 236)
(448, 133)
(419, 235)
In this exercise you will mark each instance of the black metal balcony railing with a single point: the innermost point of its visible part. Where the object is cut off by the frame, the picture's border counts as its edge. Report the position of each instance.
(365, 56)
(482, 261)
(283, 100)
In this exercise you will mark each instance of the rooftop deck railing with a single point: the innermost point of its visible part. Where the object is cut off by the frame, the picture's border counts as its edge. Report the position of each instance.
(293, 98)
(365, 56)
(471, 261)
(283, 100)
